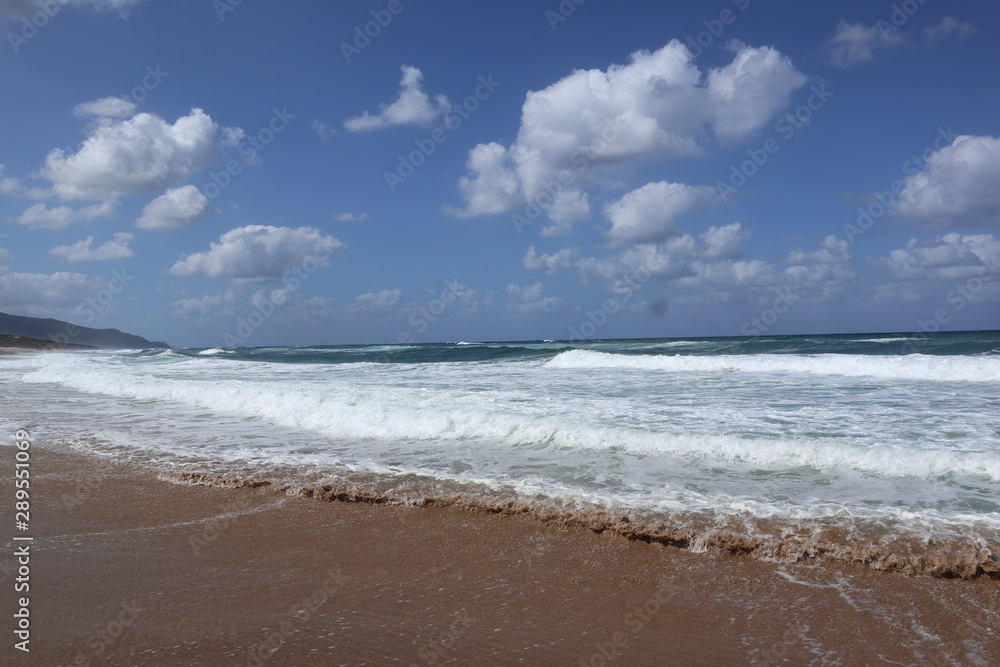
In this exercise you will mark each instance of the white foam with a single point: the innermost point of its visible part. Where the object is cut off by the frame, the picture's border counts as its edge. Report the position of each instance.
(347, 409)
(889, 367)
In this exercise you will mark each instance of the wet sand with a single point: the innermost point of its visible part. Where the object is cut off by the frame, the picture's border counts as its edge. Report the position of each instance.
(129, 569)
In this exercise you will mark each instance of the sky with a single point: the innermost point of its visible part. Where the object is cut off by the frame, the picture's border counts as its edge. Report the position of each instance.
(240, 172)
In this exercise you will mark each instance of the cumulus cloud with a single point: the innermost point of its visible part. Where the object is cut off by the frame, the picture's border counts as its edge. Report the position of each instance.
(15, 8)
(550, 263)
(136, 156)
(949, 26)
(949, 257)
(670, 259)
(380, 300)
(856, 43)
(82, 251)
(646, 259)
(833, 251)
(710, 267)
(258, 253)
(324, 130)
(350, 216)
(40, 216)
(108, 107)
(12, 186)
(210, 304)
(62, 289)
(647, 214)
(751, 90)
(531, 300)
(958, 184)
(176, 208)
(660, 105)
(411, 107)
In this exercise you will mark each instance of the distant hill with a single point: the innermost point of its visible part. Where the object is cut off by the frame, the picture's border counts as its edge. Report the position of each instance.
(25, 343)
(64, 332)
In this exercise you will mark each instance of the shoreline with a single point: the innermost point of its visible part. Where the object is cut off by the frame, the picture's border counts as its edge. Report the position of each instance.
(129, 568)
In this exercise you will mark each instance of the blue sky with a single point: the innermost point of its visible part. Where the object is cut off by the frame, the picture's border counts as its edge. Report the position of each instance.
(268, 173)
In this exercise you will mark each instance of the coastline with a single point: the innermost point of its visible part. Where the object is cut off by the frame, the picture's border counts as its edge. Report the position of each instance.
(129, 568)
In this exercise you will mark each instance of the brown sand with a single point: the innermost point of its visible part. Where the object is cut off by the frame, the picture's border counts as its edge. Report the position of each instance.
(128, 569)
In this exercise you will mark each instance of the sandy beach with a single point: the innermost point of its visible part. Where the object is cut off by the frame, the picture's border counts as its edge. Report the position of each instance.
(129, 569)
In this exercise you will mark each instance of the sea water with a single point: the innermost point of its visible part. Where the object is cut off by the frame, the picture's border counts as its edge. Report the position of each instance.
(866, 447)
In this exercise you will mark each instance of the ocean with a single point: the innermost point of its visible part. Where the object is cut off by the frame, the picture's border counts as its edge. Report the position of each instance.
(882, 449)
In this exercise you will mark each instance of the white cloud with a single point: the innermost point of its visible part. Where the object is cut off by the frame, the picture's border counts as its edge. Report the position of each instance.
(323, 129)
(647, 214)
(751, 90)
(949, 257)
(856, 43)
(40, 216)
(550, 263)
(958, 184)
(139, 155)
(27, 7)
(495, 186)
(350, 216)
(383, 299)
(648, 259)
(707, 268)
(906, 292)
(659, 105)
(733, 275)
(62, 289)
(411, 107)
(714, 243)
(833, 251)
(949, 26)
(12, 186)
(107, 107)
(258, 253)
(176, 208)
(210, 304)
(531, 300)
(670, 259)
(81, 251)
